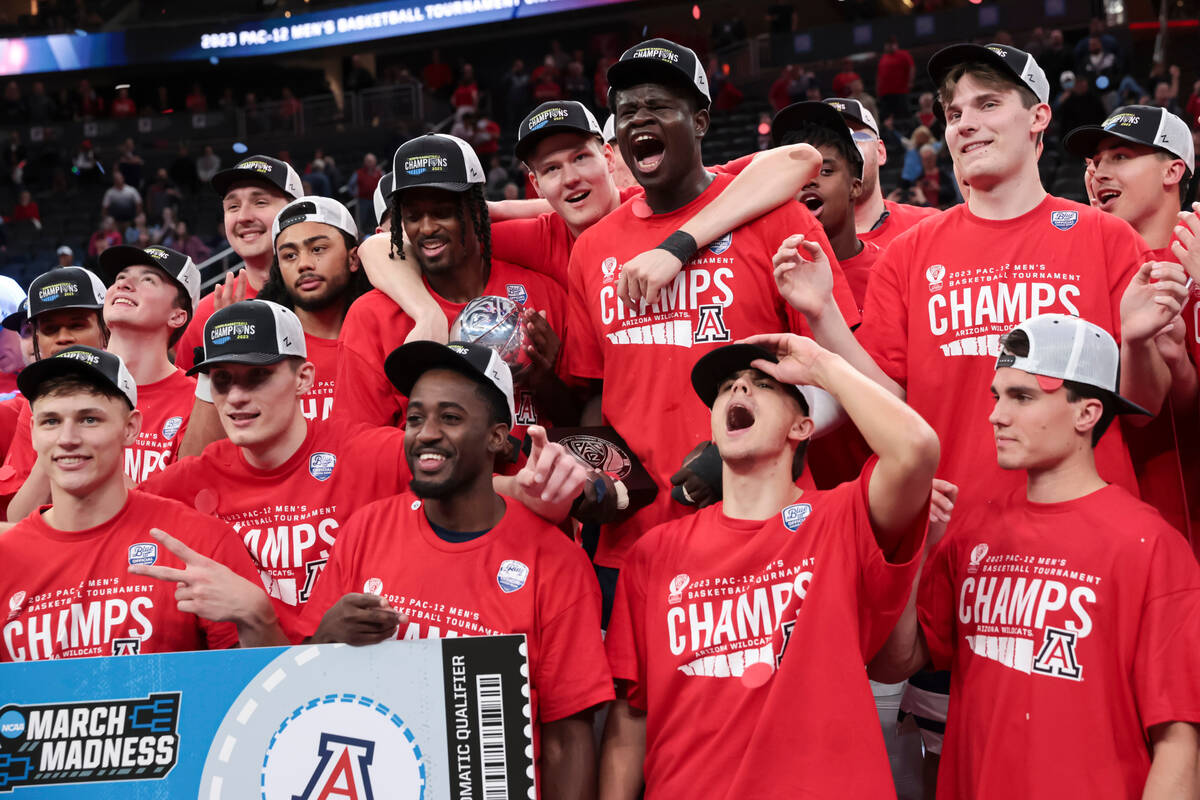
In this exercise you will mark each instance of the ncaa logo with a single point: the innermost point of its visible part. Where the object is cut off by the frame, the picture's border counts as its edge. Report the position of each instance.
(1064, 220)
(795, 514)
(721, 245)
(144, 553)
(512, 576)
(320, 465)
(516, 292)
(171, 427)
(12, 724)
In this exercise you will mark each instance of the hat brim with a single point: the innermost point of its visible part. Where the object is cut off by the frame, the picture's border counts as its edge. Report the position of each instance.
(636, 71)
(525, 147)
(406, 364)
(458, 188)
(1085, 140)
(715, 367)
(115, 259)
(811, 111)
(255, 359)
(15, 320)
(1124, 406)
(37, 373)
(227, 177)
(946, 59)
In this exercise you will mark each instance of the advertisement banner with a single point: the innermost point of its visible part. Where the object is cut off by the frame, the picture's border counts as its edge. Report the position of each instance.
(438, 719)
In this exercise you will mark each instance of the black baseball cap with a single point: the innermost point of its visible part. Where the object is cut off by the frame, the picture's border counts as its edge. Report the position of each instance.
(656, 60)
(814, 112)
(715, 367)
(251, 332)
(436, 161)
(181, 270)
(1019, 65)
(65, 287)
(556, 116)
(95, 366)
(408, 362)
(15, 320)
(1147, 125)
(264, 169)
(850, 108)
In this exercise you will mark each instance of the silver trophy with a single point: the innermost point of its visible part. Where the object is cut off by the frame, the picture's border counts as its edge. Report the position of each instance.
(494, 322)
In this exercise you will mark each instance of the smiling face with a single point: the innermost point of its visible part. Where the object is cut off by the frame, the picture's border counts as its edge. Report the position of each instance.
(831, 194)
(1035, 429)
(250, 208)
(58, 330)
(658, 131)
(143, 298)
(434, 222)
(315, 265)
(754, 419)
(573, 172)
(991, 133)
(1131, 179)
(450, 437)
(80, 436)
(257, 403)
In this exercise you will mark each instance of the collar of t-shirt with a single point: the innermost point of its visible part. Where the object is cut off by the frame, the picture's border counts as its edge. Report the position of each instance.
(287, 467)
(455, 537)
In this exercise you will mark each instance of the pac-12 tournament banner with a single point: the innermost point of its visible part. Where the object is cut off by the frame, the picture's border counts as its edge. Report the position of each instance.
(439, 719)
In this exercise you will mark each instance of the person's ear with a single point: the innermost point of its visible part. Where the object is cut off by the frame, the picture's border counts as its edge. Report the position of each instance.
(1173, 174)
(855, 188)
(177, 319)
(1041, 119)
(352, 259)
(497, 440)
(1087, 415)
(610, 157)
(133, 426)
(700, 122)
(305, 376)
(880, 152)
(801, 429)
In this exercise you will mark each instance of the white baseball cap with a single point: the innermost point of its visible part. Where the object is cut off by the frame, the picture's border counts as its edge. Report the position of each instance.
(313, 208)
(1060, 347)
(383, 194)
(1149, 125)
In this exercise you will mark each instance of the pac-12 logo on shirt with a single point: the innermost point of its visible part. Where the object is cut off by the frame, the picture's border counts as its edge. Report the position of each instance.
(144, 553)
(721, 245)
(978, 553)
(320, 465)
(1064, 220)
(516, 292)
(608, 268)
(373, 586)
(512, 576)
(171, 427)
(678, 584)
(15, 603)
(795, 514)
(934, 275)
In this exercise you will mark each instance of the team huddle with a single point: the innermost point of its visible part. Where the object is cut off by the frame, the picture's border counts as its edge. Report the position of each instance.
(833, 440)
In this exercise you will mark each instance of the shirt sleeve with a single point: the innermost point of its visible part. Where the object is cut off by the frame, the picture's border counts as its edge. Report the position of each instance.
(1166, 676)
(361, 391)
(884, 330)
(21, 457)
(524, 242)
(572, 673)
(173, 481)
(335, 579)
(936, 595)
(625, 640)
(584, 357)
(883, 586)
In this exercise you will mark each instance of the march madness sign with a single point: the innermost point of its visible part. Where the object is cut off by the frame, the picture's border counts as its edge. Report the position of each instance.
(415, 720)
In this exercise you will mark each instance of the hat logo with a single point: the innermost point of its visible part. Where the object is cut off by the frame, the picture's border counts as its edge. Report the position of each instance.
(415, 165)
(546, 117)
(458, 348)
(1064, 220)
(516, 292)
(320, 465)
(795, 514)
(80, 355)
(171, 427)
(1000, 51)
(256, 166)
(52, 292)
(223, 332)
(1125, 120)
(661, 53)
(156, 253)
(837, 105)
(512, 576)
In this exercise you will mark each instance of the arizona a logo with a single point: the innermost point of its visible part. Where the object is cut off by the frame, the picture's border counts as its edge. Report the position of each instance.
(1057, 656)
(711, 325)
(343, 771)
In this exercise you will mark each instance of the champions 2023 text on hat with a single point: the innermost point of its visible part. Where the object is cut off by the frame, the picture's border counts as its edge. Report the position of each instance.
(556, 116)
(436, 161)
(250, 332)
(65, 287)
(655, 61)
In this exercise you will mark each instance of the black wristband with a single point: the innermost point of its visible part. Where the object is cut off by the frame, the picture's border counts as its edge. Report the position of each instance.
(681, 245)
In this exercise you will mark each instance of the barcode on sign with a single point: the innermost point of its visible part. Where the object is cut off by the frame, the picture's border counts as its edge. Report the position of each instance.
(490, 699)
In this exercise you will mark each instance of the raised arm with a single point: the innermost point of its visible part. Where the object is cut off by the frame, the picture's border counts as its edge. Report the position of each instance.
(773, 178)
(400, 279)
(501, 210)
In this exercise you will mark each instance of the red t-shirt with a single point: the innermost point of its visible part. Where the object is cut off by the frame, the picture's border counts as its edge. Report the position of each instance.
(465, 95)
(124, 107)
(892, 75)
(10, 412)
(706, 605)
(943, 293)
(375, 326)
(842, 81)
(645, 359)
(522, 576)
(69, 593)
(1069, 629)
(317, 403)
(193, 335)
(857, 270)
(289, 517)
(166, 406)
(900, 217)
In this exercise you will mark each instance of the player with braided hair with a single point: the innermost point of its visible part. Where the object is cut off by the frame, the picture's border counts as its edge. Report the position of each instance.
(438, 207)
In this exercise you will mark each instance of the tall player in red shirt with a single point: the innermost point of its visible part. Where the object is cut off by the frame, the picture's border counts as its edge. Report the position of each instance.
(1140, 162)
(769, 603)
(1067, 612)
(317, 275)
(72, 568)
(453, 558)
(64, 308)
